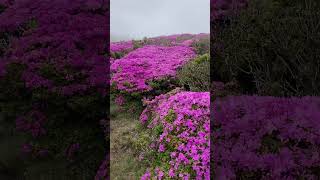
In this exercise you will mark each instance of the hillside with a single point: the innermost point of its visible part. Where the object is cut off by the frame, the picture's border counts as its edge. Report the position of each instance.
(153, 78)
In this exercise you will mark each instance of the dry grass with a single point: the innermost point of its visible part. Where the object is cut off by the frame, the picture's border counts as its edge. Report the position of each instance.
(124, 161)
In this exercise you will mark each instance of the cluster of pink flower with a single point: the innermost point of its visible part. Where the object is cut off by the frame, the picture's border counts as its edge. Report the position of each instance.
(133, 72)
(269, 137)
(121, 46)
(185, 121)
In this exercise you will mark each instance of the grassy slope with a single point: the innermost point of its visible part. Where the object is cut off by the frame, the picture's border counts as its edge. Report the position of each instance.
(124, 131)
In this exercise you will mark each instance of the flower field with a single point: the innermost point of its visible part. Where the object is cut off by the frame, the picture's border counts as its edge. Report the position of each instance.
(239, 103)
(133, 72)
(175, 120)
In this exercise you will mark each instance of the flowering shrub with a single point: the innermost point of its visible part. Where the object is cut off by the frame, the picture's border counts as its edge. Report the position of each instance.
(54, 80)
(180, 126)
(266, 137)
(146, 72)
(149, 70)
(198, 42)
(121, 46)
(120, 49)
(133, 72)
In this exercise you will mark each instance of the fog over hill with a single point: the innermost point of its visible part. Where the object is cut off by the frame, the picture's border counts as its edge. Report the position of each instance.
(115, 38)
(149, 18)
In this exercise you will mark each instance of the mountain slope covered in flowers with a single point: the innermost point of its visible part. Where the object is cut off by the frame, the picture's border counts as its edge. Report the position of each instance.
(174, 123)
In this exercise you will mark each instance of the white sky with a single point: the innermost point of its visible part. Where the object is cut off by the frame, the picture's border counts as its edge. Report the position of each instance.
(135, 19)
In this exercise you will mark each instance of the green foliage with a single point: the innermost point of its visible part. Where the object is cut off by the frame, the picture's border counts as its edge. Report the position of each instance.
(171, 116)
(194, 106)
(31, 24)
(158, 130)
(117, 55)
(127, 84)
(129, 139)
(162, 158)
(139, 43)
(142, 143)
(162, 86)
(132, 102)
(201, 46)
(271, 50)
(196, 74)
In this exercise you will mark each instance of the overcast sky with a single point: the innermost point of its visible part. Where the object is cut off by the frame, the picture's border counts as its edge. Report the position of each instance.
(148, 18)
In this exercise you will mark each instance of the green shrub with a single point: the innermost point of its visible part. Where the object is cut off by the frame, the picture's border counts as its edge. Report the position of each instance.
(201, 46)
(139, 43)
(196, 74)
(162, 86)
(133, 100)
(271, 50)
(132, 104)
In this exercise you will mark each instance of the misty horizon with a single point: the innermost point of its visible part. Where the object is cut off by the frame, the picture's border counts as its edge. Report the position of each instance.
(152, 18)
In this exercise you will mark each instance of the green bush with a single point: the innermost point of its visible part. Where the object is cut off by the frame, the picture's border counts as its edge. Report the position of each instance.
(132, 104)
(139, 43)
(195, 75)
(133, 101)
(201, 46)
(271, 50)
